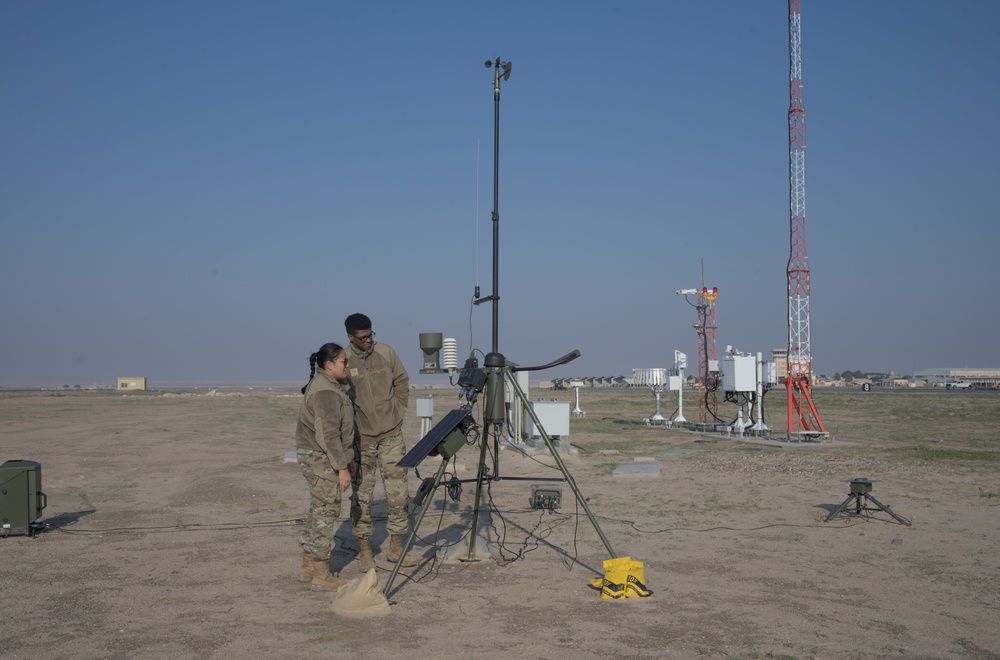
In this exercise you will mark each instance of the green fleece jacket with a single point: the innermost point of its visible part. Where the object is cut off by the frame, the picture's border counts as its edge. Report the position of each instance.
(326, 421)
(380, 389)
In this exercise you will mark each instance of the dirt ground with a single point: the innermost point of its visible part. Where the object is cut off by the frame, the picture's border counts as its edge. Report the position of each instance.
(173, 523)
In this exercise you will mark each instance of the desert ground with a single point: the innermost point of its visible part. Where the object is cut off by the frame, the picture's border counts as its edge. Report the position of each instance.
(173, 520)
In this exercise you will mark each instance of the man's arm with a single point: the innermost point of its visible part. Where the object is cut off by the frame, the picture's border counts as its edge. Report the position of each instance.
(400, 382)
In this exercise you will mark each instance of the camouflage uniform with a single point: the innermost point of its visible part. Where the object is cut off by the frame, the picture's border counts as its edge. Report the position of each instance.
(380, 456)
(324, 503)
(380, 389)
(324, 437)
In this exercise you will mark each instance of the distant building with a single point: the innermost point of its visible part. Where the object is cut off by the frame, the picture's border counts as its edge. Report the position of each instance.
(978, 378)
(779, 356)
(132, 383)
(587, 381)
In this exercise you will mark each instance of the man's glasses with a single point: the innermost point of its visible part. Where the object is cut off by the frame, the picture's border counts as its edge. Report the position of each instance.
(369, 337)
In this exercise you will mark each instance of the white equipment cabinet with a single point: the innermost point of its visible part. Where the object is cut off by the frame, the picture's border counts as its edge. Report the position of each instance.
(553, 415)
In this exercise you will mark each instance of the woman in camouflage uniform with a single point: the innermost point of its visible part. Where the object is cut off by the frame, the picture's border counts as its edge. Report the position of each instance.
(324, 437)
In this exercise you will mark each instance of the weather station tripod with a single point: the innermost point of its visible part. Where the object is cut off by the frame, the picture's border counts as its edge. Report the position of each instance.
(860, 496)
(459, 427)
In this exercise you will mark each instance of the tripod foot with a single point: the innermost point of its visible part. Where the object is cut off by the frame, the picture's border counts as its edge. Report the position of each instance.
(887, 509)
(843, 505)
(460, 551)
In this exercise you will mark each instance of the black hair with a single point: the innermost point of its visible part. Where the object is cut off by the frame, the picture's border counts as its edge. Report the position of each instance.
(326, 353)
(357, 321)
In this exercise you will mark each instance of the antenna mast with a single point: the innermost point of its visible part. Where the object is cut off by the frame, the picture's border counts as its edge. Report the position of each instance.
(802, 415)
(708, 368)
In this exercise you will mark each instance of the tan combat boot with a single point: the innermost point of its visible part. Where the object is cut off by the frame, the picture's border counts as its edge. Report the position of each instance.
(323, 579)
(366, 561)
(306, 574)
(396, 549)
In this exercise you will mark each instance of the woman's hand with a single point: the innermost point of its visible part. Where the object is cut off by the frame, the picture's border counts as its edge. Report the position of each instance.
(344, 476)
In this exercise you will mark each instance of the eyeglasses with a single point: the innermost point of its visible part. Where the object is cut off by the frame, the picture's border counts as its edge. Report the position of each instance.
(369, 337)
(344, 361)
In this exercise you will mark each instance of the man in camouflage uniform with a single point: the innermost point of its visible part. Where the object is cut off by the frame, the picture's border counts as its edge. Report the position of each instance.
(380, 390)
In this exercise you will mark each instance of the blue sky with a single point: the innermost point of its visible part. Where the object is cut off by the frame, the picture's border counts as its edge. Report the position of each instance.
(202, 191)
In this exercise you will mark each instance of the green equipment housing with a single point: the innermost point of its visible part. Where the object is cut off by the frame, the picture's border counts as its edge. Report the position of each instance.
(21, 498)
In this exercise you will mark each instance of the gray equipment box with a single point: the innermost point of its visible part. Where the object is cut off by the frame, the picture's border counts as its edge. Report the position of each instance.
(21, 497)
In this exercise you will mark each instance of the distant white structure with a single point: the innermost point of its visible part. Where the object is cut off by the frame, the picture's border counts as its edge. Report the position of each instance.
(655, 378)
(676, 383)
(576, 385)
(131, 383)
(979, 377)
(649, 377)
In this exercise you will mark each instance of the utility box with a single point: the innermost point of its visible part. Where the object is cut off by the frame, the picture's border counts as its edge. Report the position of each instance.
(21, 497)
(554, 417)
(740, 374)
(425, 406)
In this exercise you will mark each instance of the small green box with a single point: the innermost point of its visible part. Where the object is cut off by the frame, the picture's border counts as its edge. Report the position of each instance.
(544, 496)
(21, 497)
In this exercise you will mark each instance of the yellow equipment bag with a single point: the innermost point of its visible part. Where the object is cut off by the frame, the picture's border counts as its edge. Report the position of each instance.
(623, 578)
(612, 585)
(635, 587)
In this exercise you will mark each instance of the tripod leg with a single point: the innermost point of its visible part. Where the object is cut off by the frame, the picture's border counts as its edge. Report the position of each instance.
(889, 511)
(843, 505)
(559, 461)
(411, 537)
(479, 489)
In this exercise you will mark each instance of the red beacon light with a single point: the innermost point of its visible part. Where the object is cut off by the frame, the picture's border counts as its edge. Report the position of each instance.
(709, 296)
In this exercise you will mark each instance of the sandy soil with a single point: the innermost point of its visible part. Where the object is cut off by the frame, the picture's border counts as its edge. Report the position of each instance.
(173, 533)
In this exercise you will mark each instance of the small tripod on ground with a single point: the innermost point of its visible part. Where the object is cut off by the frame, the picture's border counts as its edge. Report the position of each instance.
(861, 490)
(458, 427)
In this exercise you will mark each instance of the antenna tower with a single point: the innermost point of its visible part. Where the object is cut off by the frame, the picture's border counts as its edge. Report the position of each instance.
(802, 415)
(707, 377)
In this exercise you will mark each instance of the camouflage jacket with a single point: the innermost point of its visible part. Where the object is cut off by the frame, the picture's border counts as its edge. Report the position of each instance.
(380, 389)
(326, 421)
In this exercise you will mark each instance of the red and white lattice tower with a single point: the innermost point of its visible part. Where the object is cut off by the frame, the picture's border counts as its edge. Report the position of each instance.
(802, 415)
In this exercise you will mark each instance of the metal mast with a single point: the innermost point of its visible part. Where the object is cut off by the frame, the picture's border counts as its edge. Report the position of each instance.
(802, 415)
(707, 378)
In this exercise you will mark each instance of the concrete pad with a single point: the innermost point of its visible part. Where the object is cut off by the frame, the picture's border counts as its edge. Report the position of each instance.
(536, 446)
(633, 469)
(679, 452)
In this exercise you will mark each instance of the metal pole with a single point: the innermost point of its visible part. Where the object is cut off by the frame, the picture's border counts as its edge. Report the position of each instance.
(496, 205)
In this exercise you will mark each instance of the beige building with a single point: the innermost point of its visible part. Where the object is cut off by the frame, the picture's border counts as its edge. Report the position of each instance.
(131, 383)
(779, 356)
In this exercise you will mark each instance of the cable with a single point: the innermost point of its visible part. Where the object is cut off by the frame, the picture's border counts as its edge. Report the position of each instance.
(632, 524)
(181, 527)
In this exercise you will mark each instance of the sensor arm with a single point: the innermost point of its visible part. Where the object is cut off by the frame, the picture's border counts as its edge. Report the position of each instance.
(569, 357)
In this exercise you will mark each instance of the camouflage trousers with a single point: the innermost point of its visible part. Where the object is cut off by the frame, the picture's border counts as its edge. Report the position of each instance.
(324, 503)
(380, 456)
